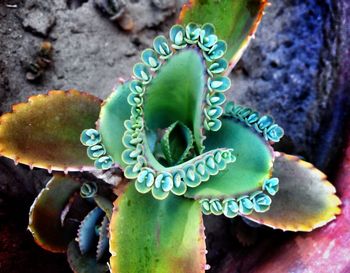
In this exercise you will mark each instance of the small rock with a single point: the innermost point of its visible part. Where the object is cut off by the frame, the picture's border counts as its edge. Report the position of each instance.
(39, 22)
(10, 6)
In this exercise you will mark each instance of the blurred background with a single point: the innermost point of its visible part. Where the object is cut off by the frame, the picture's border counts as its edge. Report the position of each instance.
(296, 69)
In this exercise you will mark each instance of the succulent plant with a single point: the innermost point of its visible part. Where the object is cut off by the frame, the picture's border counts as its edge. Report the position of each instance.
(72, 215)
(182, 148)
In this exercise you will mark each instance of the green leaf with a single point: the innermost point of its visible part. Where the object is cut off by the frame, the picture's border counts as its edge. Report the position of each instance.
(177, 93)
(83, 263)
(253, 162)
(45, 221)
(305, 199)
(177, 142)
(235, 21)
(153, 236)
(87, 230)
(45, 131)
(114, 111)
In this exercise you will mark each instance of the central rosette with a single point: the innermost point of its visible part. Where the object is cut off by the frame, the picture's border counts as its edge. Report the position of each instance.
(167, 130)
(164, 135)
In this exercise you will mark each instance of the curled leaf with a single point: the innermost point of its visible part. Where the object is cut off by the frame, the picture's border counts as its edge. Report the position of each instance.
(177, 142)
(45, 221)
(87, 235)
(252, 166)
(176, 94)
(114, 111)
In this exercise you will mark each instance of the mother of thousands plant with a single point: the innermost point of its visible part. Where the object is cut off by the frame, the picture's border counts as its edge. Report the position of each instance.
(182, 148)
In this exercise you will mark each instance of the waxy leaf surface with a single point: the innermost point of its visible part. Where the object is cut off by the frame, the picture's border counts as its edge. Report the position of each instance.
(305, 200)
(114, 111)
(252, 166)
(152, 236)
(235, 21)
(176, 93)
(45, 131)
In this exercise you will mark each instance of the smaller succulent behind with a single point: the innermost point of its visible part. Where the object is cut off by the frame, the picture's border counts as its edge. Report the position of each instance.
(80, 221)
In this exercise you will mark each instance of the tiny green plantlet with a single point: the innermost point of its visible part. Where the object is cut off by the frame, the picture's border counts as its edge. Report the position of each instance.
(184, 151)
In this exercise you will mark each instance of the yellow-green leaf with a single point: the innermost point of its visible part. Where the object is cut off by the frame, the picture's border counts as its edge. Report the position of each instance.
(152, 236)
(45, 131)
(235, 21)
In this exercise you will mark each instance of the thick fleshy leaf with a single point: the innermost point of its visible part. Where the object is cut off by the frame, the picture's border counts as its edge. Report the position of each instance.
(45, 131)
(153, 236)
(235, 21)
(114, 111)
(87, 235)
(252, 166)
(177, 93)
(83, 263)
(45, 218)
(305, 199)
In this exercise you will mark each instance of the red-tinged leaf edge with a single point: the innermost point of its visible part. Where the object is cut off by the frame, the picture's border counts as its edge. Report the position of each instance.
(44, 132)
(323, 250)
(233, 60)
(306, 199)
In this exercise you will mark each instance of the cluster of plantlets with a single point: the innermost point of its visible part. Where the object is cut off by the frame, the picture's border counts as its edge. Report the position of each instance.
(182, 148)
